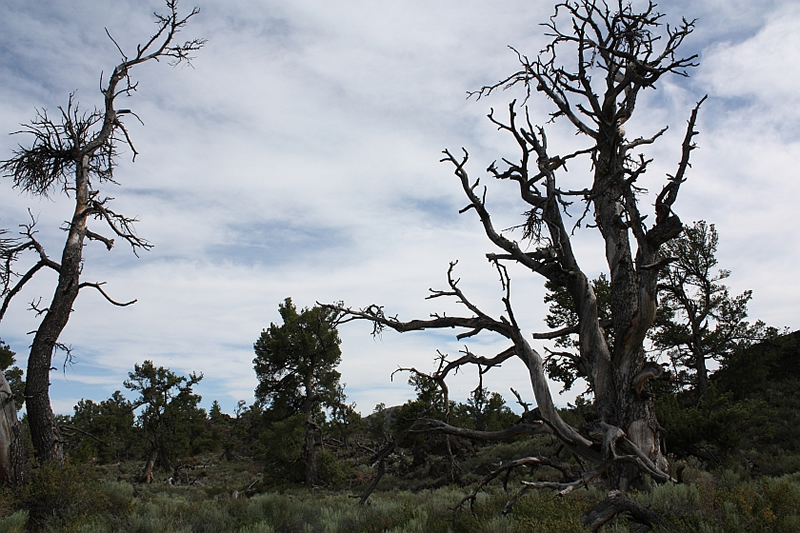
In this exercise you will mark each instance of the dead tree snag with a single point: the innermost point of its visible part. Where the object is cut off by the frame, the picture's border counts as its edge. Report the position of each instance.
(74, 152)
(614, 55)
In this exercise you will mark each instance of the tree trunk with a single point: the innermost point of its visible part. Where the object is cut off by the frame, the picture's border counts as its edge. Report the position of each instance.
(46, 437)
(47, 441)
(637, 418)
(311, 473)
(12, 459)
(166, 463)
(700, 366)
(633, 310)
(147, 473)
(310, 446)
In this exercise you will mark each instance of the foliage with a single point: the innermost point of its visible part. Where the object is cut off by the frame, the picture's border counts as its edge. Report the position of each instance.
(13, 374)
(565, 365)
(15, 523)
(236, 435)
(282, 442)
(343, 423)
(728, 502)
(749, 414)
(104, 432)
(698, 319)
(425, 457)
(431, 402)
(173, 424)
(377, 424)
(485, 411)
(724, 501)
(755, 367)
(60, 495)
(295, 364)
(714, 426)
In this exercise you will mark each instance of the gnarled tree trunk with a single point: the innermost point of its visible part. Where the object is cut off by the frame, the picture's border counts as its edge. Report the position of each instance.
(12, 455)
(75, 153)
(310, 471)
(45, 434)
(616, 54)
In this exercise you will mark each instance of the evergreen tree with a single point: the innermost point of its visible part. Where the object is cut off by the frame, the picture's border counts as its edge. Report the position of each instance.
(295, 365)
(12, 373)
(487, 410)
(566, 364)
(698, 319)
(172, 422)
(104, 431)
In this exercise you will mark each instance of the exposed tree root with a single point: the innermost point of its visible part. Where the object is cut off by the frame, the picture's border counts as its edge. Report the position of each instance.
(617, 503)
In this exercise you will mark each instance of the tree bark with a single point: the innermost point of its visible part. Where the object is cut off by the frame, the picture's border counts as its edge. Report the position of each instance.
(147, 473)
(615, 504)
(310, 453)
(310, 444)
(12, 458)
(46, 437)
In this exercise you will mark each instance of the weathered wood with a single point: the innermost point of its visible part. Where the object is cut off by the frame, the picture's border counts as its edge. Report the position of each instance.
(12, 459)
(75, 153)
(617, 54)
(616, 504)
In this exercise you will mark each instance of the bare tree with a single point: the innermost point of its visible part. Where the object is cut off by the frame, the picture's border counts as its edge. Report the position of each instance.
(73, 153)
(615, 54)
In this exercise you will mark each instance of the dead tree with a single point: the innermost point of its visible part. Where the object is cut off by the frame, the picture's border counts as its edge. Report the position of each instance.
(614, 55)
(12, 456)
(74, 152)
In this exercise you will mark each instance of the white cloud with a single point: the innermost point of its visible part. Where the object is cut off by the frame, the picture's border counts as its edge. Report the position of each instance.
(300, 158)
(756, 77)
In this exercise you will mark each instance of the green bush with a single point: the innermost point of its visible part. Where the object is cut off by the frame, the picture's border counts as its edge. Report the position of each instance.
(73, 499)
(14, 523)
(332, 471)
(261, 527)
(282, 443)
(56, 494)
(717, 421)
(728, 502)
(545, 512)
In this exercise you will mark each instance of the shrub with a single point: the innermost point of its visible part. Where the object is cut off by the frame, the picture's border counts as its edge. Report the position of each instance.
(545, 512)
(58, 494)
(14, 523)
(261, 527)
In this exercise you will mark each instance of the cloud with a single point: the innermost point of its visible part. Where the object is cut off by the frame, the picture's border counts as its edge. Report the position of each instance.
(300, 157)
(754, 77)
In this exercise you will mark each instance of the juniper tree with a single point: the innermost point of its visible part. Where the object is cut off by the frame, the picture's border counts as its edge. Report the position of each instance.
(698, 319)
(170, 418)
(295, 364)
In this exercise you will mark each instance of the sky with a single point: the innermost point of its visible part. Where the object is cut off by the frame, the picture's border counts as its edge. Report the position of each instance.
(299, 157)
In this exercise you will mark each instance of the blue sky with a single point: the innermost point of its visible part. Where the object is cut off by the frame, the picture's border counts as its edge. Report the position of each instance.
(299, 157)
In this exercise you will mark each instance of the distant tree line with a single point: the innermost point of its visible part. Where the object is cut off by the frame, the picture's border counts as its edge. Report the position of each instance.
(718, 400)
(301, 421)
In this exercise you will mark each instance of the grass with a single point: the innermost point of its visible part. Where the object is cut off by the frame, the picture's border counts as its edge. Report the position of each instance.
(214, 497)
